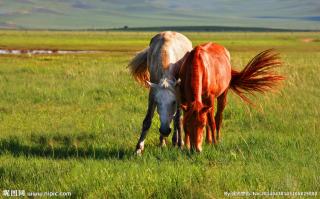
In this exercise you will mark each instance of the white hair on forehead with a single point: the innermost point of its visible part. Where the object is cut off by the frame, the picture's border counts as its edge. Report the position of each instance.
(164, 83)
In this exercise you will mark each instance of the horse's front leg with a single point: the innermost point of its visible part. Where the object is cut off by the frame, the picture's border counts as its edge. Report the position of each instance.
(177, 134)
(222, 101)
(186, 135)
(208, 133)
(211, 127)
(146, 124)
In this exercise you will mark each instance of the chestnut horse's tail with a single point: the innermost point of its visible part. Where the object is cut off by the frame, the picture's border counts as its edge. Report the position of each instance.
(257, 75)
(139, 68)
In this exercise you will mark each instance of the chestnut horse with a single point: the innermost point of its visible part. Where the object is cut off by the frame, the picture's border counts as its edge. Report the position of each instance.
(206, 74)
(157, 67)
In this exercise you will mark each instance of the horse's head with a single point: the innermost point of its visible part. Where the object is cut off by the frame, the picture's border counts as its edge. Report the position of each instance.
(194, 121)
(165, 97)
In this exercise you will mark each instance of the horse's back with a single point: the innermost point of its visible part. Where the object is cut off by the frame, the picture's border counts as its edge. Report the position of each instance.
(206, 71)
(217, 68)
(166, 49)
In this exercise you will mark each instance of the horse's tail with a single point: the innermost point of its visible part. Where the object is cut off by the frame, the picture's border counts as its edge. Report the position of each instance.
(138, 67)
(257, 75)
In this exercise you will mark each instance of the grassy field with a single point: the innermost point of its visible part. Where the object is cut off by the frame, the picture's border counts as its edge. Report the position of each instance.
(71, 122)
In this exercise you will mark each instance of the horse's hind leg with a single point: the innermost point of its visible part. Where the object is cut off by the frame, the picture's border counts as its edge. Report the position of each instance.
(146, 124)
(222, 101)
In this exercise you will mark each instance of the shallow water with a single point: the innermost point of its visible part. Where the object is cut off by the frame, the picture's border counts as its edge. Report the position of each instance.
(34, 52)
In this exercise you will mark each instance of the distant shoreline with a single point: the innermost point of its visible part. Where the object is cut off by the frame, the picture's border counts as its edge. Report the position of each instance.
(175, 28)
(214, 29)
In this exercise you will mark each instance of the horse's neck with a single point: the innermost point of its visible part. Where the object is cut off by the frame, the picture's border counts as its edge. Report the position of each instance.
(166, 64)
(167, 74)
(174, 71)
(157, 73)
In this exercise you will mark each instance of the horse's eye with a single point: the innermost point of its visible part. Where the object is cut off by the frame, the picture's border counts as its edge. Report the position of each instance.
(174, 103)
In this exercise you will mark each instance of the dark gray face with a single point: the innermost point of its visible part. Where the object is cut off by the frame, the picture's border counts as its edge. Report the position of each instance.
(166, 107)
(166, 102)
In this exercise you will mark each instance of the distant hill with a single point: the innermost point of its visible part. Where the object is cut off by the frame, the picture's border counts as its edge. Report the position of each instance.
(106, 14)
(207, 29)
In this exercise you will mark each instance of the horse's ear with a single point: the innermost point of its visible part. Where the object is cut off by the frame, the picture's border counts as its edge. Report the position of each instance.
(205, 109)
(178, 82)
(152, 85)
(184, 107)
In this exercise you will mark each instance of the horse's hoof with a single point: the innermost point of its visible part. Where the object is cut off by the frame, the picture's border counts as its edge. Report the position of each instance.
(140, 148)
(199, 148)
(174, 142)
(181, 144)
(139, 152)
(209, 142)
(163, 144)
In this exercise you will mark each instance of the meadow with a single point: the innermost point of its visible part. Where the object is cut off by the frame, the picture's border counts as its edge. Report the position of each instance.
(71, 122)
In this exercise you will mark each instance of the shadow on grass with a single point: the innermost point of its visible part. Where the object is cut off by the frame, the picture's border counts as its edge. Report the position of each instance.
(15, 147)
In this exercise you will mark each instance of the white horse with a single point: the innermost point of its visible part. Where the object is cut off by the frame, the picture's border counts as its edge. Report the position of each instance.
(157, 67)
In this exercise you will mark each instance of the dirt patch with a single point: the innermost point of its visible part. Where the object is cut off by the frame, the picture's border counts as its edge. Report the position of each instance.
(309, 40)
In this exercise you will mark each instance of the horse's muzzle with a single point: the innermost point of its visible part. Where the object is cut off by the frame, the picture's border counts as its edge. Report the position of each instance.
(165, 131)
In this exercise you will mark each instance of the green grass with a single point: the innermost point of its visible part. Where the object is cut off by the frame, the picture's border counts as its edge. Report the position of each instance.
(71, 122)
